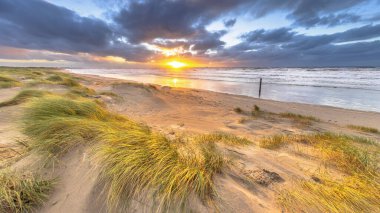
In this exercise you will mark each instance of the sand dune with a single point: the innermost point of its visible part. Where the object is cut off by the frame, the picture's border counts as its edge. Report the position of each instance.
(245, 187)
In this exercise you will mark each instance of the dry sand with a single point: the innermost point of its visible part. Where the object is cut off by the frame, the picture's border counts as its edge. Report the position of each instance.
(174, 111)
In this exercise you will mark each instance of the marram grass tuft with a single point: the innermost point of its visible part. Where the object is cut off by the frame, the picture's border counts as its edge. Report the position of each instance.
(22, 193)
(136, 163)
(348, 153)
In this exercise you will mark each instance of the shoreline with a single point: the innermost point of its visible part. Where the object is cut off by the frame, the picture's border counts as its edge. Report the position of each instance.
(360, 117)
(312, 90)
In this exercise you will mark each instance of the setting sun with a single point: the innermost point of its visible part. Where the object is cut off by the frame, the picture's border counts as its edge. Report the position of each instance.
(176, 64)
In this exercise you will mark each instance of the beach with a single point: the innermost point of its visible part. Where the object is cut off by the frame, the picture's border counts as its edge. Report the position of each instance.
(349, 88)
(251, 184)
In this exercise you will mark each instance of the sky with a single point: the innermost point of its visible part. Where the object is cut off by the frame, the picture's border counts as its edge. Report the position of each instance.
(203, 33)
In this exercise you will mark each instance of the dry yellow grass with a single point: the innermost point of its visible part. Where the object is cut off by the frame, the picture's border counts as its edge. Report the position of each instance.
(364, 129)
(22, 193)
(135, 162)
(301, 119)
(356, 156)
(356, 193)
(348, 153)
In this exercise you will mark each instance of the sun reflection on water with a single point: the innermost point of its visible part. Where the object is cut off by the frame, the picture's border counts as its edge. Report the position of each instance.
(175, 82)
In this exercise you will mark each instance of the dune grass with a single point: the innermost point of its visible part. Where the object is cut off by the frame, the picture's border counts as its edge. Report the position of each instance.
(147, 87)
(6, 82)
(57, 124)
(345, 152)
(109, 93)
(149, 167)
(23, 96)
(238, 110)
(301, 119)
(70, 82)
(256, 111)
(355, 156)
(364, 129)
(136, 163)
(54, 78)
(82, 91)
(224, 138)
(357, 193)
(273, 142)
(22, 193)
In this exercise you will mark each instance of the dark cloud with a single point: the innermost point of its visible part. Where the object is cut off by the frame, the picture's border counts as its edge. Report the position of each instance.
(144, 21)
(284, 47)
(310, 13)
(150, 19)
(229, 22)
(37, 24)
(327, 20)
(306, 13)
(269, 36)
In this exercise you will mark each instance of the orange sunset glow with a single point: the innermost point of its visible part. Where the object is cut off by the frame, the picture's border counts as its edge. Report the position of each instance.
(176, 64)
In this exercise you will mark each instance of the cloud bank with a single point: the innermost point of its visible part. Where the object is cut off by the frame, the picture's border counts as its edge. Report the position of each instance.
(141, 31)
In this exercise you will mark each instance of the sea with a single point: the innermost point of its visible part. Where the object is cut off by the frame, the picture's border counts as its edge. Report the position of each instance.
(350, 88)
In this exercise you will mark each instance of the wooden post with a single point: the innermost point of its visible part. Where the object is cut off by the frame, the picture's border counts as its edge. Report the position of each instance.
(261, 80)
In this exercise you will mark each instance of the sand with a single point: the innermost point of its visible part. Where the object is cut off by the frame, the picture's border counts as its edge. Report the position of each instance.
(175, 111)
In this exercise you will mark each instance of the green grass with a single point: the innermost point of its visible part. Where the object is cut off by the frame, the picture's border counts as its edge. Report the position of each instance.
(82, 91)
(109, 93)
(36, 76)
(147, 87)
(70, 82)
(345, 152)
(273, 142)
(136, 163)
(22, 193)
(355, 156)
(222, 137)
(23, 96)
(56, 124)
(6, 82)
(357, 193)
(301, 119)
(54, 78)
(147, 166)
(364, 129)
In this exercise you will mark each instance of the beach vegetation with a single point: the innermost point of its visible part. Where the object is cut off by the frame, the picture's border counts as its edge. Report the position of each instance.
(54, 78)
(136, 163)
(37, 73)
(6, 82)
(70, 82)
(256, 111)
(109, 93)
(243, 120)
(344, 152)
(57, 124)
(23, 96)
(22, 193)
(222, 137)
(356, 193)
(273, 142)
(364, 129)
(238, 110)
(147, 87)
(301, 119)
(82, 91)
